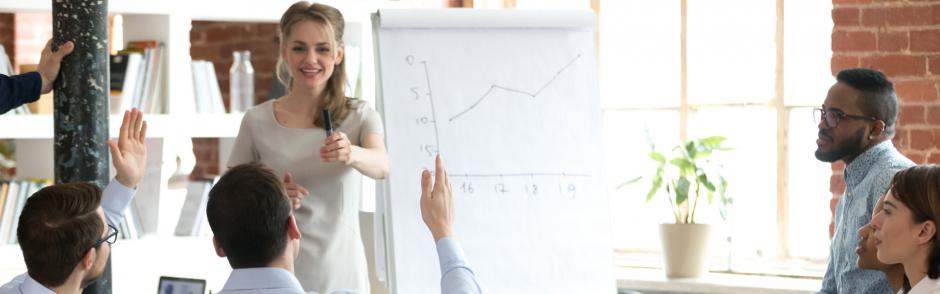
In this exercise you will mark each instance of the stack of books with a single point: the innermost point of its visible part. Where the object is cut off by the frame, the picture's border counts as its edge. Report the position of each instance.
(138, 77)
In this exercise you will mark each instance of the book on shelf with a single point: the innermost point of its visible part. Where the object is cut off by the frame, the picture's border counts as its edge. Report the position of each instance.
(118, 65)
(141, 45)
(6, 67)
(12, 201)
(206, 91)
(130, 226)
(138, 77)
(9, 206)
(4, 186)
(192, 221)
(126, 68)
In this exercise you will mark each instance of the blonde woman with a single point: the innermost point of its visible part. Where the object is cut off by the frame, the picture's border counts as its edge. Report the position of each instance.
(321, 172)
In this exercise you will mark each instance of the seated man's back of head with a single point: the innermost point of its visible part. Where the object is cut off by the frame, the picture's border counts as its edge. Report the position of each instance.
(253, 226)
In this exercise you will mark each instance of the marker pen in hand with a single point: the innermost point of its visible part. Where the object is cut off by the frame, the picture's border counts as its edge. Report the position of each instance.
(327, 122)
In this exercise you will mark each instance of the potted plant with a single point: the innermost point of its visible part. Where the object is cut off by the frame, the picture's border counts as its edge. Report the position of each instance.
(687, 176)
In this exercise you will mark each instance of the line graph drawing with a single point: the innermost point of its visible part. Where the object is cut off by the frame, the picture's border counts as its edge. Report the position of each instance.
(431, 150)
(517, 91)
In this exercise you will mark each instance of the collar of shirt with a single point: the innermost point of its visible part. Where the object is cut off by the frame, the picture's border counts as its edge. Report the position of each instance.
(262, 278)
(925, 286)
(855, 172)
(31, 286)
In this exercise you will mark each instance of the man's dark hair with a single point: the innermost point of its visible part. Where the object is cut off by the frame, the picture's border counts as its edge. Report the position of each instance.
(57, 226)
(248, 211)
(877, 97)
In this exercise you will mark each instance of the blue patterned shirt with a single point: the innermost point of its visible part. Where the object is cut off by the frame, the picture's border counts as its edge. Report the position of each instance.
(866, 179)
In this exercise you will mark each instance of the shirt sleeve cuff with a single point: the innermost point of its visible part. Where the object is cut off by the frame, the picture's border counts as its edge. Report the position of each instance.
(114, 200)
(34, 80)
(450, 254)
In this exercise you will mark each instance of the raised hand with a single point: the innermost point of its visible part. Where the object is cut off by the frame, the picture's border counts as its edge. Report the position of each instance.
(437, 205)
(129, 154)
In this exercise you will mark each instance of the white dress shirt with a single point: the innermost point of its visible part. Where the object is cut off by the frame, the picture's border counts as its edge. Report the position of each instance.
(262, 280)
(925, 286)
(114, 200)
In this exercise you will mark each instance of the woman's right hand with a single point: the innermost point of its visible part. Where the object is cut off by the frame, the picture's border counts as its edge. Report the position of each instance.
(295, 192)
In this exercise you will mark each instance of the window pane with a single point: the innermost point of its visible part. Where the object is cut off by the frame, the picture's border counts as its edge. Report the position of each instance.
(627, 156)
(808, 190)
(807, 51)
(751, 171)
(731, 51)
(639, 53)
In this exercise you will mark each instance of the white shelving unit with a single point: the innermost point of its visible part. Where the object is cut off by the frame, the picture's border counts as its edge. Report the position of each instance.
(139, 263)
(40, 126)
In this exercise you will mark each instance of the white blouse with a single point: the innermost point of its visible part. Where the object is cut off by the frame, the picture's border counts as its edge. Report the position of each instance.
(925, 286)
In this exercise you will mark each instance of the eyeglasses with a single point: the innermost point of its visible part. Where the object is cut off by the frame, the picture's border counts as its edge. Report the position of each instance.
(110, 238)
(833, 117)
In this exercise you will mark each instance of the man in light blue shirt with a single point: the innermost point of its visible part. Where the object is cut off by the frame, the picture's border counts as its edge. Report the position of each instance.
(254, 227)
(63, 228)
(856, 123)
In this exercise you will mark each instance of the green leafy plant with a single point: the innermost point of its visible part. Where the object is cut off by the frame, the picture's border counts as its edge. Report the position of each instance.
(687, 176)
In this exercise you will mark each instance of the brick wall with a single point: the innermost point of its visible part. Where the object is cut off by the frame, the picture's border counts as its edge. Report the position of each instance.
(32, 31)
(206, 151)
(902, 39)
(215, 41)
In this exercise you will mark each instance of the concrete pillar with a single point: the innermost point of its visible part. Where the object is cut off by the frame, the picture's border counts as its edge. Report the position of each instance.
(81, 100)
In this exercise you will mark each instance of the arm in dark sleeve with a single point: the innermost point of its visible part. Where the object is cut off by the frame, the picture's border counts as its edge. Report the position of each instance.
(18, 90)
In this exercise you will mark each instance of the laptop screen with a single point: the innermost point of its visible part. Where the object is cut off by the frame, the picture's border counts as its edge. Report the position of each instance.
(172, 285)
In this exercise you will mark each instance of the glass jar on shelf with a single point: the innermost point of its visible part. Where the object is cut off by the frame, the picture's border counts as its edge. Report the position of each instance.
(241, 82)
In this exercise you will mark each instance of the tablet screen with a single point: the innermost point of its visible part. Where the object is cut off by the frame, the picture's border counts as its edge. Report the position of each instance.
(172, 285)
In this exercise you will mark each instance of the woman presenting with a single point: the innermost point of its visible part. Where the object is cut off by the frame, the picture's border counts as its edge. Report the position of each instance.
(321, 172)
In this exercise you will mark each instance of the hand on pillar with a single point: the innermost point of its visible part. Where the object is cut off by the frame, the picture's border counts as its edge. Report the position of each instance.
(129, 154)
(50, 62)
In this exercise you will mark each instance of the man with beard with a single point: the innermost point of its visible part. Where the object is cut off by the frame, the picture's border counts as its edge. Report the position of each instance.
(63, 228)
(856, 124)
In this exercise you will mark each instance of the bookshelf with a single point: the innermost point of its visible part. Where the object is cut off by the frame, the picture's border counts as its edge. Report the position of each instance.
(40, 126)
(139, 263)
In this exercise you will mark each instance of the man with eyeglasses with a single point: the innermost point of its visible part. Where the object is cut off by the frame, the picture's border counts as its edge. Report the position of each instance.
(63, 228)
(856, 123)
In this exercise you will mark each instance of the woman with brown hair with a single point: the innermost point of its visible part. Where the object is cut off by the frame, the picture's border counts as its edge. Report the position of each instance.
(321, 170)
(867, 254)
(905, 232)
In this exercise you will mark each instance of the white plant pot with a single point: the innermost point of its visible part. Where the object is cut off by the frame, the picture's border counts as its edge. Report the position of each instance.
(685, 249)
